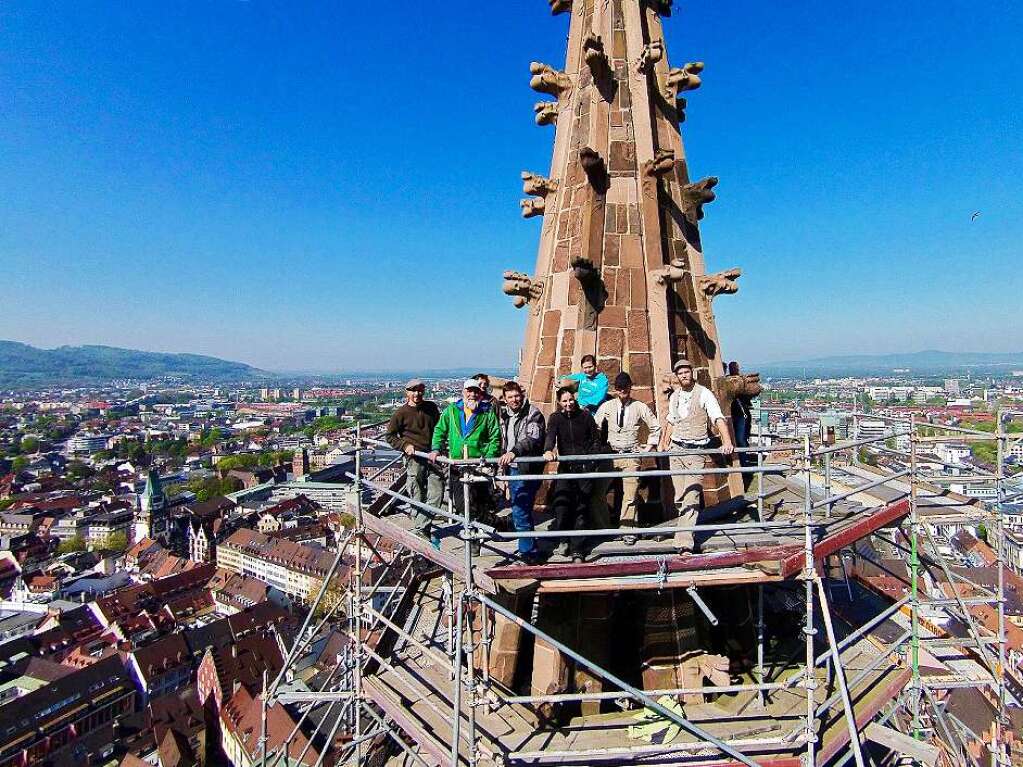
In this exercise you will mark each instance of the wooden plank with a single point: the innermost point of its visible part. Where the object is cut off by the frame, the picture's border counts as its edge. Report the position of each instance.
(677, 581)
(450, 562)
(902, 743)
(399, 714)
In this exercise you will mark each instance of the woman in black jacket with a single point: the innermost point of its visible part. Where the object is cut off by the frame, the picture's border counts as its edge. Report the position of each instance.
(572, 431)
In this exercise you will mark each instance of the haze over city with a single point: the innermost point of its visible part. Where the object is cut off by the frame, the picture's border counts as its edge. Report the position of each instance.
(304, 187)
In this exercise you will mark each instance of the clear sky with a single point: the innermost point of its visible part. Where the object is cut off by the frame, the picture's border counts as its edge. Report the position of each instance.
(335, 185)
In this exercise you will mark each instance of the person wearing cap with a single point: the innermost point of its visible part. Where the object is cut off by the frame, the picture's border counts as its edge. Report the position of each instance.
(591, 385)
(468, 428)
(623, 419)
(693, 412)
(410, 430)
(522, 436)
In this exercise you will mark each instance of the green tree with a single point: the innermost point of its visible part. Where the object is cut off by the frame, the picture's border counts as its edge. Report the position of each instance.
(72, 544)
(77, 470)
(19, 464)
(29, 445)
(6, 503)
(115, 542)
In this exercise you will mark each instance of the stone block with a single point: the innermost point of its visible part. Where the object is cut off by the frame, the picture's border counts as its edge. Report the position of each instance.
(619, 49)
(638, 331)
(550, 675)
(609, 366)
(610, 342)
(610, 275)
(639, 291)
(612, 317)
(623, 291)
(551, 323)
(641, 369)
(548, 351)
(612, 247)
(543, 385)
(610, 221)
(622, 157)
(632, 251)
(635, 220)
(560, 262)
(568, 344)
(623, 219)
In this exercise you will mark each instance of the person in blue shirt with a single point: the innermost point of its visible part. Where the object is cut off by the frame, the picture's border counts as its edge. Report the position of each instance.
(591, 384)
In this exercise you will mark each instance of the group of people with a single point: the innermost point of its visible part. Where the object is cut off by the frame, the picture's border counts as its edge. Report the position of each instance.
(594, 417)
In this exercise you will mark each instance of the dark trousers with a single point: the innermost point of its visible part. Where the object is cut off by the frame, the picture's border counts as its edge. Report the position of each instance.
(571, 503)
(480, 499)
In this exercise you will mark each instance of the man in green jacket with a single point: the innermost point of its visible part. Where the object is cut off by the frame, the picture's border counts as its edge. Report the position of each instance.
(468, 428)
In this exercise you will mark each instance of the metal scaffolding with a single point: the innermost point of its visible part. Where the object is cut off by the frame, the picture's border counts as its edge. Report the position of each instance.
(373, 615)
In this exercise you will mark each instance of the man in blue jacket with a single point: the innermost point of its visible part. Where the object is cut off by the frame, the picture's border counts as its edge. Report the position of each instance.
(522, 434)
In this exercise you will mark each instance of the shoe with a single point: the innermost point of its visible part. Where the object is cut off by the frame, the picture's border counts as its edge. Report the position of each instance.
(474, 548)
(629, 540)
(531, 558)
(561, 550)
(435, 541)
(578, 559)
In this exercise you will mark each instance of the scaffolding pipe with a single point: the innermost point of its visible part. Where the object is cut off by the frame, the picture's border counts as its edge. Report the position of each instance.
(808, 575)
(914, 574)
(836, 665)
(861, 489)
(639, 695)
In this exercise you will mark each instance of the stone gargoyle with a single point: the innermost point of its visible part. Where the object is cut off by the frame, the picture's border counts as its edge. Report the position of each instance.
(594, 167)
(547, 79)
(522, 288)
(559, 6)
(593, 290)
(663, 162)
(533, 207)
(538, 186)
(685, 78)
(595, 56)
(721, 283)
(680, 109)
(546, 112)
(652, 53)
(672, 273)
(698, 194)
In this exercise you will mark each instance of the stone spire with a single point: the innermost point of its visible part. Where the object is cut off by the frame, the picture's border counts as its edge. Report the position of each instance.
(620, 271)
(153, 497)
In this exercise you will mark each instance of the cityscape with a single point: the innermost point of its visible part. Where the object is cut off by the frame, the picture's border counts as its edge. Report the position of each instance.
(308, 460)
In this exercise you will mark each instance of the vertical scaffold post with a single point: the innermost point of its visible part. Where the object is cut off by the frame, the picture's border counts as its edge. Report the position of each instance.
(809, 574)
(760, 587)
(1000, 554)
(356, 620)
(914, 584)
(468, 598)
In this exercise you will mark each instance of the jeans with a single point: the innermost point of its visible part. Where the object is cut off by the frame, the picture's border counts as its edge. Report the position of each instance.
(425, 484)
(742, 431)
(523, 494)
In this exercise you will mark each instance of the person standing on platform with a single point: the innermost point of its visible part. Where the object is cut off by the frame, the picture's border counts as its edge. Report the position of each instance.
(591, 384)
(572, 431)
(410, 430)
(742, 419)
(468, 428)
(693, 413)
(522, 435)
(623, 417)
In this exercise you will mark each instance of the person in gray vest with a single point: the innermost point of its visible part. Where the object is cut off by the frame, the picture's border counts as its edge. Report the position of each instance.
(693, 412)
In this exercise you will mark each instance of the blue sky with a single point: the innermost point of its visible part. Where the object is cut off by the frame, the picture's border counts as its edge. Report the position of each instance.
(322, 186)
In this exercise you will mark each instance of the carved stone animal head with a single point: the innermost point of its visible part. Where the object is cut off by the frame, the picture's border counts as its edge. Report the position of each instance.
(559, 6)
(546, 112)
(663, 162)
(720, 283)
(594, 167)
(697, 194)
(540, 186)
(685, 78)
(533, 207)
(672, 273)
(595, 56)
(522, 288)
(547, 79)
(652, 53)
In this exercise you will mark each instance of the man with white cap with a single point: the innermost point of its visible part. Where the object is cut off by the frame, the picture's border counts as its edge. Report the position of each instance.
(693, 413)
(468, 428)
(410, 430)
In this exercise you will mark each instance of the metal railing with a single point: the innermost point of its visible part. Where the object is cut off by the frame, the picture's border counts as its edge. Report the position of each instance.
(798, 464)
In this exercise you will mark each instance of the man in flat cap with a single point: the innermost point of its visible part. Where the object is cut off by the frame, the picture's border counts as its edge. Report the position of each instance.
(410, 430)
(693, 415)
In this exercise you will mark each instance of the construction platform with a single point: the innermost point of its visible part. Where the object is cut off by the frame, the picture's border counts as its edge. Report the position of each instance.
(741, 552)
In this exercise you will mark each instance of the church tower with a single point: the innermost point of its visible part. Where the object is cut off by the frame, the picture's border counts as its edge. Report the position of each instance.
(151, 517)
(620, 270)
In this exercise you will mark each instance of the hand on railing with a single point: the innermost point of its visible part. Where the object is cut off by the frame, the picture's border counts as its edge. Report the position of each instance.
(433, 455)
(550, 455)
(506, 460)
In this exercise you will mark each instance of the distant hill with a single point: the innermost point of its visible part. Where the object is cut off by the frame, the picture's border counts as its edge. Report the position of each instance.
(23, 366)
(918, 363)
